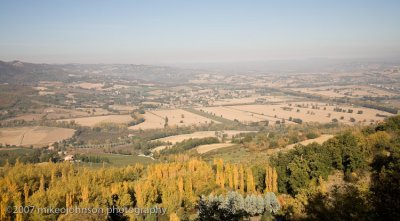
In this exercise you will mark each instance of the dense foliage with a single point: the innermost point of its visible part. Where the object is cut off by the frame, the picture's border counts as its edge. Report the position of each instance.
(234, 206)
(370, 162)
(189, 144)
(298, 167)
(301, 180)
(175, 186)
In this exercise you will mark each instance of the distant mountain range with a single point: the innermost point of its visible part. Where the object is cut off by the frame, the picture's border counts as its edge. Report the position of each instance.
(17, 71)
(22, 72)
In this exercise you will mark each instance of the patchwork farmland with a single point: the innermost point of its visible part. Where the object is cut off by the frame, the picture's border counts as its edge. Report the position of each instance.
(97, 120)
(35, 136)
(305, 111)
(174, 117)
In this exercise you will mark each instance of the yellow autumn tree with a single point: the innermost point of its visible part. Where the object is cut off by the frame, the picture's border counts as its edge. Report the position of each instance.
(241, 178)
(235, 174)
(42, 184)
(26, 193)
(190, 199)
(180, 188)
(271, 179)
(219, 176)
(267, 179)
(4, 204)
(173, 217)
(229, 175)
(250, 187)
(18, 203)
(274, 181)
(322, 185)
(85, 193)
(140, 199)
(69, 200)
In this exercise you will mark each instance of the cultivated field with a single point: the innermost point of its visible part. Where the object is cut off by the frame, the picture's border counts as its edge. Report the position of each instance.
(93, 121)
(116, 87)
(159, 148)
(26, 117)
(316, 112)
(123, 107)
(209, 147)
(306, 111)
(118, 160)
(40, 88)
(59, 113)
(318, 140)
(176, 117)
(35, 136)
(232, 113)
(354, 91)
(201, 134)
(43, 93)
(87, 85)
(94, 111)
(182, 137)
(248, 100)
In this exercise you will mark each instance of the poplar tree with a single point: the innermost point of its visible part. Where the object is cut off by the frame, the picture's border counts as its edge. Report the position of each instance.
(26, 193)
(241, 179)
(42, 184)
(274, 181)
(250, 181)
(235, 177)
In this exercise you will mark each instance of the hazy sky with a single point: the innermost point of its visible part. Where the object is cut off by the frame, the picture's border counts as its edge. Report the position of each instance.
(167, 31)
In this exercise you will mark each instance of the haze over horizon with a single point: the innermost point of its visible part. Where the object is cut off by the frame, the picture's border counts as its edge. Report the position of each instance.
(182, 32)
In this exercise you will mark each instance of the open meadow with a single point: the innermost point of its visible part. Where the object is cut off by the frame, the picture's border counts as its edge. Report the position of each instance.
(319, 140)
(201, 134)
(117, 160)
(35, 136)
(209, 147)
(88, 85)
(353, 91)
(54, 113)
(174, 117)
(123, 107)
(317, 112)
(232, 113)
(97, 120)
(249, 100)
(305, 111)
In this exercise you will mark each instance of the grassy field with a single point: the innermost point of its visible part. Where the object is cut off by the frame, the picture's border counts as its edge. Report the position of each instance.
(123, 107)
(202, 149)
(231, 113)
(87, 85)
(318, 140)
(306, 111)
(118, 160)
(202, 134)
(12, 154)
(353, 91)
(93, 121)
(54, 113)
(235, 154)
(212, 117)
(322, 112)
(250, 100)
(35, 136)
(176, 117)
(321, 139)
